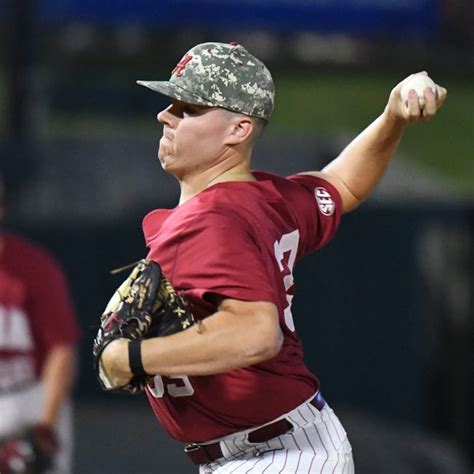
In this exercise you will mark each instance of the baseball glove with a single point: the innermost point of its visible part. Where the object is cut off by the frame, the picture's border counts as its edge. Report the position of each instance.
(30, 451)
(145, 305)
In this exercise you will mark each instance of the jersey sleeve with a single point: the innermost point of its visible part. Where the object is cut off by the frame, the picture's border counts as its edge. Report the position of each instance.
(219, 255)
(316, 205)
(50, 305)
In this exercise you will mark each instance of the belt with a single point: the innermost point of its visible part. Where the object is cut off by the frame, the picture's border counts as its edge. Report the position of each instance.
(206, 453)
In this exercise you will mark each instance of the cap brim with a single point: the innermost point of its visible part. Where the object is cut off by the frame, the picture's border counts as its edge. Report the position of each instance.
(163, 87)
(175, 92)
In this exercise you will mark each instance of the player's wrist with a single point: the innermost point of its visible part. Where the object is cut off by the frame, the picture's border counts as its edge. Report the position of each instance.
(47, 422)
(115, 361)
(393, 117)
(135, 358)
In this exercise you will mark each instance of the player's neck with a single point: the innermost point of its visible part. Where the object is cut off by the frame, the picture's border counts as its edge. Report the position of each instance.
(195, 184)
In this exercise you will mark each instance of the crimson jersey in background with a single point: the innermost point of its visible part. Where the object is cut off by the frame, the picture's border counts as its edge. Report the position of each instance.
(240, 240)
(35, 311)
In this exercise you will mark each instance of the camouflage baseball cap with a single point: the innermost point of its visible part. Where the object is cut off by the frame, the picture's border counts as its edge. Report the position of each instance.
(220, 75)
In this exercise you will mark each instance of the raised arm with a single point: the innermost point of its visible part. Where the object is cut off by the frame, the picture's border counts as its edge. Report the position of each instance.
(361, 165)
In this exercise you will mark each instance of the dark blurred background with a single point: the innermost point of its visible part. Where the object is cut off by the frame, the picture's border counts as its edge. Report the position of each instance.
(385, 311)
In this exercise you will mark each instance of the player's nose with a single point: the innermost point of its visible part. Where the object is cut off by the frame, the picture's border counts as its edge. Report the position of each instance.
(165, 116)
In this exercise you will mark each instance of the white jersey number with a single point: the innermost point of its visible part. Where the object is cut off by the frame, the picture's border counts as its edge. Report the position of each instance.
(181, 389)
(288, 243)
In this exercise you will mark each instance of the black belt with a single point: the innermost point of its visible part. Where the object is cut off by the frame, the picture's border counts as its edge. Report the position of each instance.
(206, 453)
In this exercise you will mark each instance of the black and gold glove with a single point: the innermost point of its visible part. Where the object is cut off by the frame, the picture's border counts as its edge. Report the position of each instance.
(145, 305)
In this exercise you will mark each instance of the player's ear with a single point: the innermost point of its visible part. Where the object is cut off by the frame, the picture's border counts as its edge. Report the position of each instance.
(240, 130)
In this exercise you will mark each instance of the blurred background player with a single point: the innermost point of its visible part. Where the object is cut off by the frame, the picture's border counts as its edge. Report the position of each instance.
(38, 335)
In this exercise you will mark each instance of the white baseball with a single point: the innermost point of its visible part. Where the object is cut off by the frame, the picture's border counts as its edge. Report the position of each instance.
(418, 83)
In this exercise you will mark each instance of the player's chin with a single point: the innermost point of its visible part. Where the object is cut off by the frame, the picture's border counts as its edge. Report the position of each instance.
(167, 163)
(163, 156)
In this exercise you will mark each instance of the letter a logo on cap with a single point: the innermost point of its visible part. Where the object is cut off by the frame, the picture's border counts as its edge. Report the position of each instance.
(179, 68)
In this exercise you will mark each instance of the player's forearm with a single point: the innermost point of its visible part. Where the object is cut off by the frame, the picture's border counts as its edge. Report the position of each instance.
(57, 380)
(363, 162)
(224, 343)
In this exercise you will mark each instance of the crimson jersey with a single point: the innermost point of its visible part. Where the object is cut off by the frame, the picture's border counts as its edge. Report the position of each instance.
(35, 311)
(240, 240)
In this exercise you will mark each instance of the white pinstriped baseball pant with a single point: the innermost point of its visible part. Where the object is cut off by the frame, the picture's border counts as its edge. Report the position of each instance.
(317, 443)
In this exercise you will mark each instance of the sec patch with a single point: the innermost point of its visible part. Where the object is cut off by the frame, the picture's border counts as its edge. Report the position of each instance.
(325, 202)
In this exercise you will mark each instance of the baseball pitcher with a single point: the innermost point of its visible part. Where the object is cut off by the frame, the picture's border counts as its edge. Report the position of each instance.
(204, 324)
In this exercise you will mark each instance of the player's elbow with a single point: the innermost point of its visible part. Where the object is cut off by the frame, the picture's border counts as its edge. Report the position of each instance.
(273, 344)
(255, 334)
(265, 342)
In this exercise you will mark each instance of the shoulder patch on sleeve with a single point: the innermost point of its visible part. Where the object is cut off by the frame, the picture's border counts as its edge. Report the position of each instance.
(325, 202)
